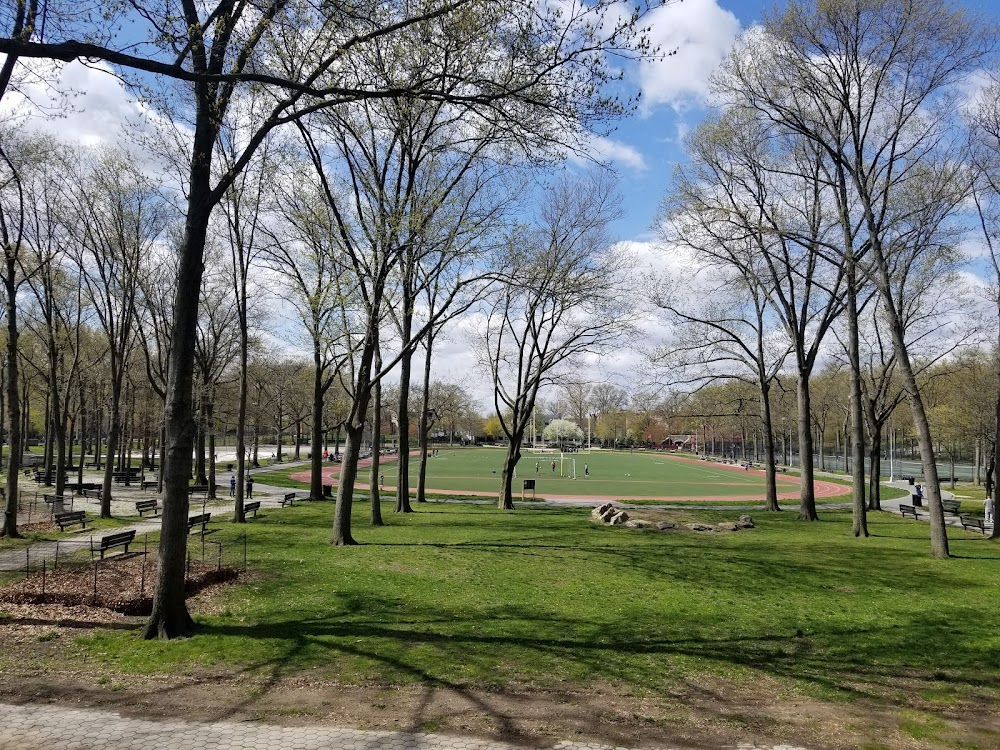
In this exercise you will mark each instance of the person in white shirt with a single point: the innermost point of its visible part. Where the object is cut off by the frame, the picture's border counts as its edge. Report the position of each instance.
(988, 507)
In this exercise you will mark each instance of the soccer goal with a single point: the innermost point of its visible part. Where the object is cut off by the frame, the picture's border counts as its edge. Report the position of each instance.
(567, 466)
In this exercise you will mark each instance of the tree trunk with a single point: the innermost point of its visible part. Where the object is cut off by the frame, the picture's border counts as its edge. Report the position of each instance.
(113, 435)
(875, 470)
(424, 429)
(939, 534)
(374, 490)
(170, 617)
(316, 430)
(13, 404)
(200, 472)
(210, 429)
(859, 525)
(345, 490)
(403, 455)
(807, 492)
(770, 473)
(513, 455)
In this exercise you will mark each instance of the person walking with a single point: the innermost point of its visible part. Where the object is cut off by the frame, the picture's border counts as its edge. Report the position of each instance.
(249, 487)
(232, 486)
(536, 467)
(553, 467)
(586, 470)
(989, 508)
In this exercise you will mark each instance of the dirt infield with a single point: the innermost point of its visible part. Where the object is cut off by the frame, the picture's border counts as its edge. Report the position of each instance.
(331, 475)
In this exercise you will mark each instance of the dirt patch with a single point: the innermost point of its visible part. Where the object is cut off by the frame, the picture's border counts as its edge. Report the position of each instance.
(123, 584)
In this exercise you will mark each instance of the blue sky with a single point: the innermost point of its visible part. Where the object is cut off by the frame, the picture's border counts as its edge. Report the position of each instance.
(672, 102)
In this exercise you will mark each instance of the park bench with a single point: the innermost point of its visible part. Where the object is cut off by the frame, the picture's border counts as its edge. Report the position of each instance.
(93, 494)
(201, 520)
(149, 485)
(121, 539)
(57, 503)
(288, 499)
(971, 522)
(92, 465)
(144, 506)
(251, 508)
(71, 518)
(951, 506)
(909, 510)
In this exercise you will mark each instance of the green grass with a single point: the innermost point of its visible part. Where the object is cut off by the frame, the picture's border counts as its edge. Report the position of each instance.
(468, 595)
(618, 475)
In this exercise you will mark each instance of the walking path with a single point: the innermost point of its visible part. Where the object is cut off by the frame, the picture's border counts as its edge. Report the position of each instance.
(50, 728)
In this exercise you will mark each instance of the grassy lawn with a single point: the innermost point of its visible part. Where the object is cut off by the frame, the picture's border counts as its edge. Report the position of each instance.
(472, 596)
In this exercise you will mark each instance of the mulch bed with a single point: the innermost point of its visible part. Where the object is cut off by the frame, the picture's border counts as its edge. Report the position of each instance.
(124, 584)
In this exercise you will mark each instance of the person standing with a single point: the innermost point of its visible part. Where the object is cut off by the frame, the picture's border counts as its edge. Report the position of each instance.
(249, 487)
(232, 486)
(586, 470)
(989, 509)
(553, 467)
(536, 467)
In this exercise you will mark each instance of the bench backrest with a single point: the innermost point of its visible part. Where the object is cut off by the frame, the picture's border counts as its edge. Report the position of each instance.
(290, 496)
(255, 505)
(121, 537)
(146, 503)
(73, 515)
(199, 519)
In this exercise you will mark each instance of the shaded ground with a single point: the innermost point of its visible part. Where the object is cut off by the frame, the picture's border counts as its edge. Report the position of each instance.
(702, 712)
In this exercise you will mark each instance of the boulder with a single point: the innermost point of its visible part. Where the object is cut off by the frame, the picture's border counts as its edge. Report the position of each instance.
(638, 523)
(666, 525)
(608, 514)
(618, 518)
(727, 526)
(745, 522)
(699, 527)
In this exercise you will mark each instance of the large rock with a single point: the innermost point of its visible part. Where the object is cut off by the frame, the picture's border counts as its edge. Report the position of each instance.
(699, 526)
(727, 526)
(745, 522)
(666, 525)
(600, 511)
(618, 518)
(638, 523)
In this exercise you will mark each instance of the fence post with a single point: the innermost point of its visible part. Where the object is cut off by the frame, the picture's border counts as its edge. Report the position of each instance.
(95, 581)
(43, 580)
(27, 562)
(55, 564)
(244, 552)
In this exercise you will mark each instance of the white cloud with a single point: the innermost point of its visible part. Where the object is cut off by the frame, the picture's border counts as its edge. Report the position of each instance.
(608, 150)
(84, 104)
(702, 33)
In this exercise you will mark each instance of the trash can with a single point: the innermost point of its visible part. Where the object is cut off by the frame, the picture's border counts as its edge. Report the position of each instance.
(909, 480)
(918, 501)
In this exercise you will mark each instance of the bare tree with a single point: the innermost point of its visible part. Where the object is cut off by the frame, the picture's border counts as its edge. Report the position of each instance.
(117, 218)
(874, 86)
(560, 297)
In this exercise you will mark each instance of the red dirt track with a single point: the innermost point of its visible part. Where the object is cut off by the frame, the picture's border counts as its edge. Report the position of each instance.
(331, 474)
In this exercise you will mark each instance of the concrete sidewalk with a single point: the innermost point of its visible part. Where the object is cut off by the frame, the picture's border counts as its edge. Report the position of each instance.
(51, 728)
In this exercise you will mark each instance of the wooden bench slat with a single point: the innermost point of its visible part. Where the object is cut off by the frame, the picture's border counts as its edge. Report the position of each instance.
(121, 539)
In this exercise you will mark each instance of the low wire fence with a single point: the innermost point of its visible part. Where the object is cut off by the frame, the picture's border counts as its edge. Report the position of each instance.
(72, 572)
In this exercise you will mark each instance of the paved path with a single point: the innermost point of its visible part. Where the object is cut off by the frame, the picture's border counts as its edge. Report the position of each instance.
(50, 728)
